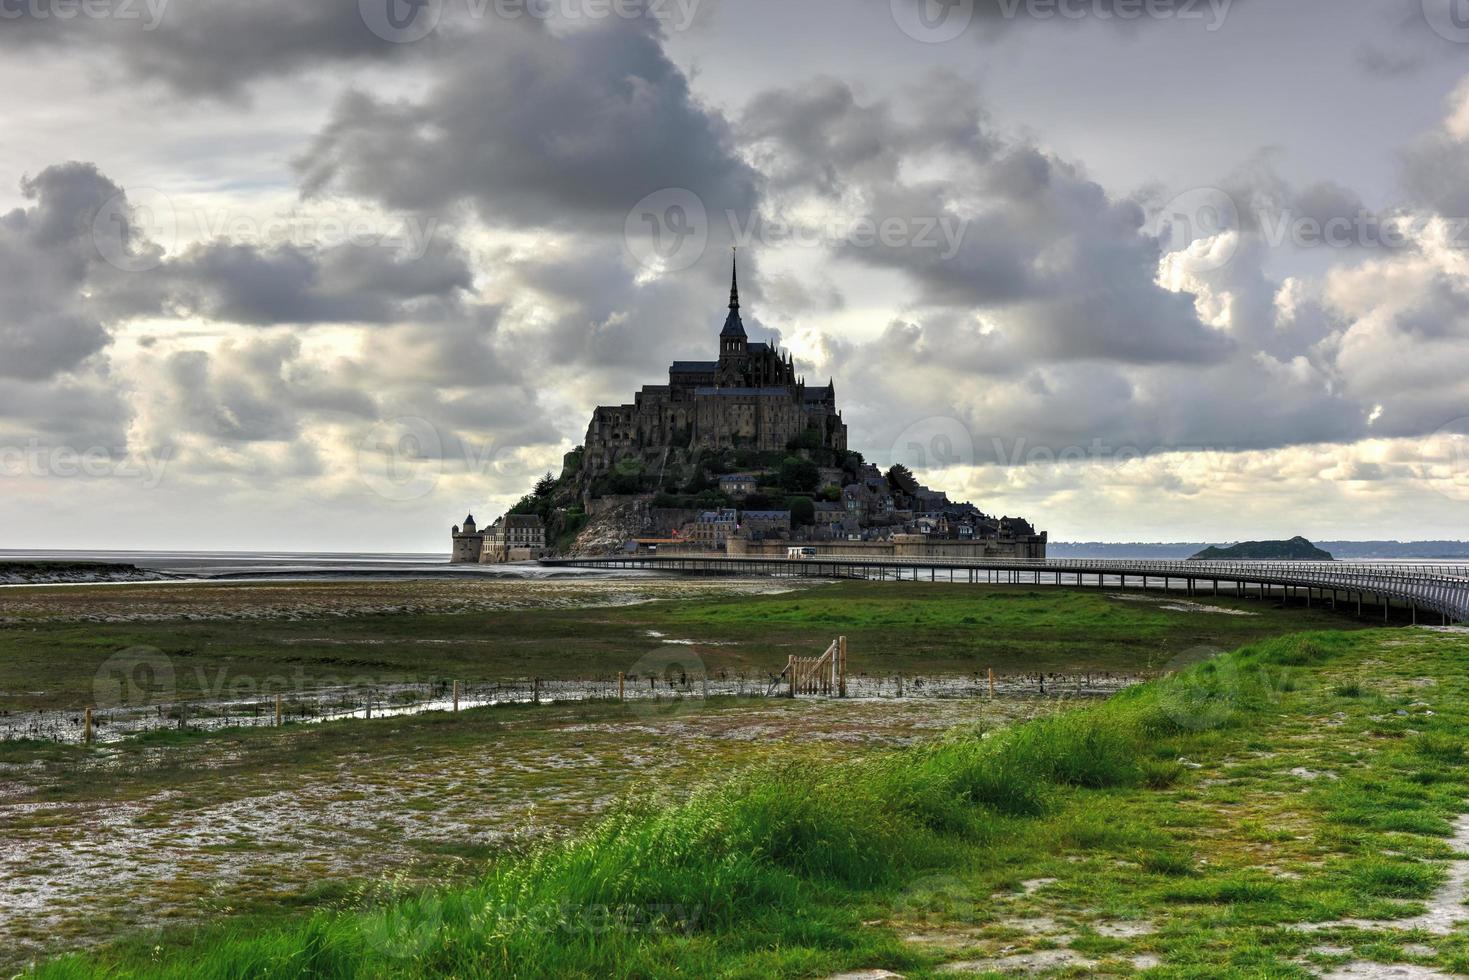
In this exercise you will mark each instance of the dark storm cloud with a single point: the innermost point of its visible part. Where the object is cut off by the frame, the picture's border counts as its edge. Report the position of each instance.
(239, 283)
(536, 131)
(1017, 229)
(1408, 41)
(821, 136)
(81, 412)
(1435, 174)
(56, 385)
(618, 332)
(210, 47)
(47, 258)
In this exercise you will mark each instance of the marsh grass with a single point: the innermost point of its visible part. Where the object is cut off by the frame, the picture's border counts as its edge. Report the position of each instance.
(321, 635)
(774, 871)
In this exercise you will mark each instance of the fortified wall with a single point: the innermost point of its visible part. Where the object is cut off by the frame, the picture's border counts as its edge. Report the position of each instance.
(902, 546)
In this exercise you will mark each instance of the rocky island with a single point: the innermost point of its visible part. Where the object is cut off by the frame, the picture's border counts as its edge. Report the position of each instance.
(1296, 549)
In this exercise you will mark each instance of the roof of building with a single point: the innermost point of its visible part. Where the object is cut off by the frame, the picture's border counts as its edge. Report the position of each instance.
(694, 367)
(780, 391)
(767, 515)
(737, 478)
(523, 520)
(829, 507)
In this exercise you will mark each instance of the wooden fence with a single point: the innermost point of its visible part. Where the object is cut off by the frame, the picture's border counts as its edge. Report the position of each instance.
(826, 674)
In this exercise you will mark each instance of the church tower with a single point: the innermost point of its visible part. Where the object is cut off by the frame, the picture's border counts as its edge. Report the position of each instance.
(732, 340)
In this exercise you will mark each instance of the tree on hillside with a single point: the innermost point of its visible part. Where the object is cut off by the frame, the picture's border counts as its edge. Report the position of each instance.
(901, 479)
(803, 511)
(546, 485)
(799, 474)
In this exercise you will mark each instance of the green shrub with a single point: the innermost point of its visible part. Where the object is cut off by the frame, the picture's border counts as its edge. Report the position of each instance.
(1384, 878)
(1441, 747)
(1169, 863)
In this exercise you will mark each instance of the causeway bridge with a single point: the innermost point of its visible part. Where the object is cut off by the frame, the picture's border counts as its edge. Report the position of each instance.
(1427, 593)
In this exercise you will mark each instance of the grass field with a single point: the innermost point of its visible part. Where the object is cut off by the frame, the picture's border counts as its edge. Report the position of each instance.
(1284, 811)
(566, 839)
(250, 638)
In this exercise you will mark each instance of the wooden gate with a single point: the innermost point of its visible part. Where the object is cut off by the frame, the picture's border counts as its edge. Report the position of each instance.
(826, 674)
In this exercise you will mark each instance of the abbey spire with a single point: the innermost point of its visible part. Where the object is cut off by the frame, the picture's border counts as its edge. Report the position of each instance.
(734, 280)
(732, 337)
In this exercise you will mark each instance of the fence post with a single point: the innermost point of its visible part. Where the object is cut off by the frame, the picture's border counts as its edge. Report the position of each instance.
(277, 711)
(992, 681)
(535, 690)
(87, 727)
(900, 685)
(791, 673)
(841, 666)
(621, 682)
(456, 697)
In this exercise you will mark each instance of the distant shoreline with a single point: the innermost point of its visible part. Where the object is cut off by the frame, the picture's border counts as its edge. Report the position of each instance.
(1440, 550)
(20, 568)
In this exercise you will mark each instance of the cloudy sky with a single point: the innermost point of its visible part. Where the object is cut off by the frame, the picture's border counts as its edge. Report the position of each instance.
(328, 275)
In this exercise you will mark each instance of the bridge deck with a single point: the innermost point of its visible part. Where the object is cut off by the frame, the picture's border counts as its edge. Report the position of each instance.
(1443, 589)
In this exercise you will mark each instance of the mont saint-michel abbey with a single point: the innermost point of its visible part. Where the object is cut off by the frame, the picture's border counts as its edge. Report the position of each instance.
(750, 398)
(736, 455)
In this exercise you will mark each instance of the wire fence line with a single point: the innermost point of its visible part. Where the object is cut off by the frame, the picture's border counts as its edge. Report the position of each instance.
(111, 724)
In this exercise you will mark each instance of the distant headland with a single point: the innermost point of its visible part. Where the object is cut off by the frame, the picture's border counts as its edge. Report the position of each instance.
(1295, 549)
